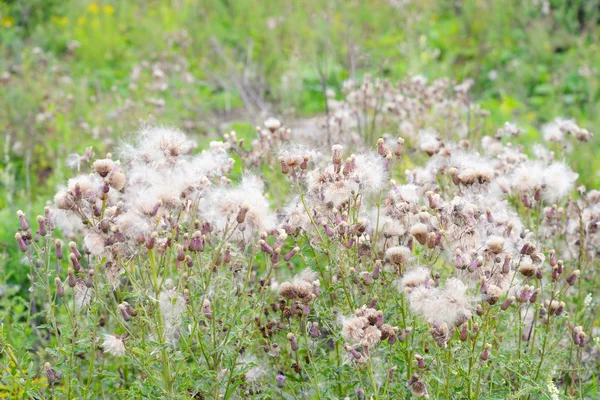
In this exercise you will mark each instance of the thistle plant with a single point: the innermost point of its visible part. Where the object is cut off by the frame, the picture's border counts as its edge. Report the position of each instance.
(436, 264)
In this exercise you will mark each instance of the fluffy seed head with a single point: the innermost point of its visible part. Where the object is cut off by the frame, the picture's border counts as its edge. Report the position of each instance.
(398, 255)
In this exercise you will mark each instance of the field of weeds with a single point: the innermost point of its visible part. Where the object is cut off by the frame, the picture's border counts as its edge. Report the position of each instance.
(378, 199)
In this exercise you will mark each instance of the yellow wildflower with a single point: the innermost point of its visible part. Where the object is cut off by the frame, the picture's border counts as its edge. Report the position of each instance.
(93, 8)
(7, 22)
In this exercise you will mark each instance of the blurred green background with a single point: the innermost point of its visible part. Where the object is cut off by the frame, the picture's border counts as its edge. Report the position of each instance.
(77, 73)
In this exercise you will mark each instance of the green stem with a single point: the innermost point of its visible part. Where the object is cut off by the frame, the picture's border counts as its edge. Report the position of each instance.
(373, 383)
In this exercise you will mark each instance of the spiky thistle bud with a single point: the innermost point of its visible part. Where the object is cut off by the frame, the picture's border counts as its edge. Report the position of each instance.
(59, 249)
(51, 375)
(24, 226)
(355, 354)
(507, 303)
(130, 310)
(241, 217)
(293, 343)
(420, 361)
(207, 309)
(71, 281)
(75, 262)
(265, 246)
(21, 242)
(336, 157)
(90, 279)
(376, 269)
(42, 226)
(485, 354)
(314, 329)
(291, 254)
(60, 289)
(74, 250)
(124, 313)
(399, 147)
(573, 277)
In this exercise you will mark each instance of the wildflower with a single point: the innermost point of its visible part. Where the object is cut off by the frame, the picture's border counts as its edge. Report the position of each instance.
(83, 294)
(74, 250)
(527, 269)
(485, 354)
(52, 375)
(398, 255)
(336, 156)
(42, 225)
(103, 167)
(304, 287)
(117, 180)
(559, 181)
(429, 142)
(413, 278)
(534, 295)
(280, 380)
(537, 258)
(573, 277)
(95, 242)
(113, 345)
(75, 262)
(124, 313)
(71, 281)
(552, 183)
(293, 343)
(206, 309)
(404, 334)
(507, 303)
(369, 172)
(509, 129)
(90, 279)
(389, 332)
(417, 386)
(493, 293)
(356, 356)
(419, 231)
(450, 305)
(59, 250)
(352, 329)
(555, 307)
(420, 362)
(272, 124)
(223, 205)
(552, 132)
(340, 192)
(21, 242)
(159, 146)
(372, 336)
(314, 329)
(60, 289)
(289, 255)
(495, 244)
(24, 226)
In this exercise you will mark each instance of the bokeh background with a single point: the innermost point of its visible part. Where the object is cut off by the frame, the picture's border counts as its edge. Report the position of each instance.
(75, 73)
